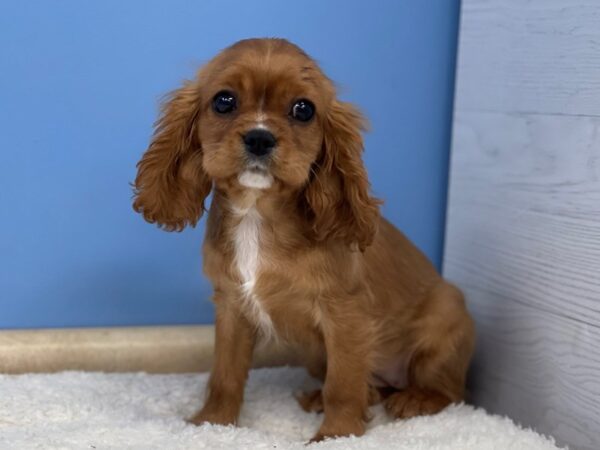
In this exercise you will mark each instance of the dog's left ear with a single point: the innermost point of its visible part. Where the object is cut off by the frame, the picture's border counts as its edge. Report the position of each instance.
(337, 197)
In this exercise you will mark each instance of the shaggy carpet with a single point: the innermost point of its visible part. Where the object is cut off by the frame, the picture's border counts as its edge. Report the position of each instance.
(79, 410)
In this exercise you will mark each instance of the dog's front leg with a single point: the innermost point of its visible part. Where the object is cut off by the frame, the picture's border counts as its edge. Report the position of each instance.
(234, 345)
(345, 392)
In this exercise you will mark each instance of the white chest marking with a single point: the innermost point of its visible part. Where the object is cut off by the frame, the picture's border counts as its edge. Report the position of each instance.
(247, 258)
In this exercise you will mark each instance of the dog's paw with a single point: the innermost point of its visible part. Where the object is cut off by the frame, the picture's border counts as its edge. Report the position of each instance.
(413, 402)
(339, 428)
(313, 401)
(214, 417)
(316, 438)
(310, 401)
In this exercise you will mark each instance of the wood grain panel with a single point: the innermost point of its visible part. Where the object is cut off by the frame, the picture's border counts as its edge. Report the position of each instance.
(523, 234)
(523, 241)
(551, 383)
(538, 56)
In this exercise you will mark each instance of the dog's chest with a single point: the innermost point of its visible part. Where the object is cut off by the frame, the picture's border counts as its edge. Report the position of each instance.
(248, 260)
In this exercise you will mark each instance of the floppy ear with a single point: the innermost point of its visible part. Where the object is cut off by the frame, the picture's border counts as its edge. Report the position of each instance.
(337, 196)
(171, 185)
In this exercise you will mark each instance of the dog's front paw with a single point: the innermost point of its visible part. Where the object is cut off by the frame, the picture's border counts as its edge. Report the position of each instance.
(216, 417)
(313, 401)
(341, 428)
(317, 438)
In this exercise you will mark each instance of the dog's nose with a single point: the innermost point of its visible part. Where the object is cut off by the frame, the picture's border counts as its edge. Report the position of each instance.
(259, 142)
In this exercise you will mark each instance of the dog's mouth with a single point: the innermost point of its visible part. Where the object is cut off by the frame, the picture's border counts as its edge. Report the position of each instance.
(256, 176)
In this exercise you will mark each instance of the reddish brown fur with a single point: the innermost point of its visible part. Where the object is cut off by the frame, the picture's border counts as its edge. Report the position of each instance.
(336, 278)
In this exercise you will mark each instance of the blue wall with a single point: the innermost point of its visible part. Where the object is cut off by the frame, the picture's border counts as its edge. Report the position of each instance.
(79, 89)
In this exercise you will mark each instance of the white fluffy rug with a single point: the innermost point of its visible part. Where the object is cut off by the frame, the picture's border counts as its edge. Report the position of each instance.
(78, 410)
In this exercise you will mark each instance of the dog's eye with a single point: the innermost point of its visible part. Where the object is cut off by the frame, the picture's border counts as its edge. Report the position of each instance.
(303, 110)
(224, 102)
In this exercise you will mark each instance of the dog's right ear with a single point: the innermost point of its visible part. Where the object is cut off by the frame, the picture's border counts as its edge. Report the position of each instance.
(171, 185)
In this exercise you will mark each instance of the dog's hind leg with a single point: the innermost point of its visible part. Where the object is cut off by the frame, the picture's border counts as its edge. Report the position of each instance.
(442, 344)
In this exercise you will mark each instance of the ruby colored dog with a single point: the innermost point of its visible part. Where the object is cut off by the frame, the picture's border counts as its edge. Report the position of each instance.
(295, 245)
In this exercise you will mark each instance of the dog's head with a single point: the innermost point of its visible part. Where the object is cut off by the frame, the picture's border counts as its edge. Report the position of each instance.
(260, 116)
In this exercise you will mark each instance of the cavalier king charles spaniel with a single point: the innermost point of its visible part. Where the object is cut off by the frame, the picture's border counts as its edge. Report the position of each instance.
(295, 246)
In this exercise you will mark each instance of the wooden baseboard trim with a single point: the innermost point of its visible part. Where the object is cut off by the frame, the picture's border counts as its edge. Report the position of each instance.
(159, 349)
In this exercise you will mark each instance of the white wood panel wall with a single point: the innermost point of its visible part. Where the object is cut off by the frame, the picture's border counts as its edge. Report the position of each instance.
(523, 235)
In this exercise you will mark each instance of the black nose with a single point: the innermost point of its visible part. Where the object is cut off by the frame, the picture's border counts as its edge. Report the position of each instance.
(259, 142)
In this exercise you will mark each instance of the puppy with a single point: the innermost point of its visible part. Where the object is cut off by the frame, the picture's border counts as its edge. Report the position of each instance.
(295, 246)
